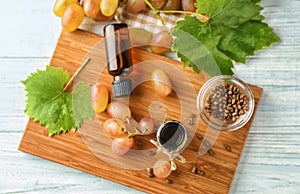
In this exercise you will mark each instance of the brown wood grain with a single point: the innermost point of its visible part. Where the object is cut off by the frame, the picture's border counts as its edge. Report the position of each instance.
(69, 149)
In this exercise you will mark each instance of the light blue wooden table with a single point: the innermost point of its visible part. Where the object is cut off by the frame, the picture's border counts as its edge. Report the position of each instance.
(271, 158)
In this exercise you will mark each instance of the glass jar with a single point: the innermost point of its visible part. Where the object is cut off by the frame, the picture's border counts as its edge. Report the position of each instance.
(172, 135)
(225, 111)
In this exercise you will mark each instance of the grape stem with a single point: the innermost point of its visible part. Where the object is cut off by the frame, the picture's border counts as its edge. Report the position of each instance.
(78, 70)
(72, 78)
(156, 11)
(201, 17)
(137, 132)
(133, 134)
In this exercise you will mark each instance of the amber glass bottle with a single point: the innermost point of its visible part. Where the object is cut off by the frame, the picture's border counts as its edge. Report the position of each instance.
(119, 60)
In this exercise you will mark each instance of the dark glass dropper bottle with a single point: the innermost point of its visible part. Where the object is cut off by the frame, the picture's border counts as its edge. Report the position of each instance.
(119, 60)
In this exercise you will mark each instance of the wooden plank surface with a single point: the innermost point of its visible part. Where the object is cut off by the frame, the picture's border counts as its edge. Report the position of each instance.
(270, 161)
(219, 169)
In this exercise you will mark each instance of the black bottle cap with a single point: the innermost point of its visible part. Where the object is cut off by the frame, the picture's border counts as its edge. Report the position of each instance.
(122, 87)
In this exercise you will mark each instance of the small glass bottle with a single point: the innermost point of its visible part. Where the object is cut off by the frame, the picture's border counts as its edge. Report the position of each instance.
(172, 135)
(119, 60)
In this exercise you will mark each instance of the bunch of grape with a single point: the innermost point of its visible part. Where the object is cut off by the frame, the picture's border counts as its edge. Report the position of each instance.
(122, 140)
(116, 129)
(72, 12)
(136, 6)
(162, 41)
(159, 43)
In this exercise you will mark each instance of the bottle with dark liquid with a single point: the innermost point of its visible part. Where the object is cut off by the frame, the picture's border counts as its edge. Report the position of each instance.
(119, 60)
(172, 135)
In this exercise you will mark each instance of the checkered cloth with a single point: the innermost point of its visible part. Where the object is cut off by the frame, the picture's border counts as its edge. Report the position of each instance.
(148, 20)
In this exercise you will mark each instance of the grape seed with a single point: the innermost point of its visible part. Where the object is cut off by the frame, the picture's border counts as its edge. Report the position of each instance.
(227, 147)
(150, 172)
(194, 170)
(227, 103)
(200, 172)
(199, 137)
(211, 152)
(169, 181)
(139, 143)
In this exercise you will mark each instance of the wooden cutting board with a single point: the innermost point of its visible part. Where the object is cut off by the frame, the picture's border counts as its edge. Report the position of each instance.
(71, 149)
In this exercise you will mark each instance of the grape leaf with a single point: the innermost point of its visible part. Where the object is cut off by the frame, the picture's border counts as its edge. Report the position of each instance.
(234, 31)
(48, 103)
(82, 108)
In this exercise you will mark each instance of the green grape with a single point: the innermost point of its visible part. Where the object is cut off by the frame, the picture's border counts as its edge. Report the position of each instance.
(139, 37)
(188, 5)
(122, 144)
(61, 5)
(108, 7)
(72, 17)
(161, 42)
(114, 128)
(135, 6)
(101, 18)
(162, 168)
(91, 8)
(99, 97)
(158, 4)
(172, 5)
(146, 126)
(119, 110)
(161, 83)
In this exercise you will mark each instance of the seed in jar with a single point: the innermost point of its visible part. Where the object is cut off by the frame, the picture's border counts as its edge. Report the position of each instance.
(227, 102)
(233, 100)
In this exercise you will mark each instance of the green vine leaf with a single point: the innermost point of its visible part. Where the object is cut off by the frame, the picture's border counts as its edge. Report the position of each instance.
(234, 31)
(81, 103)
(50, 105)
